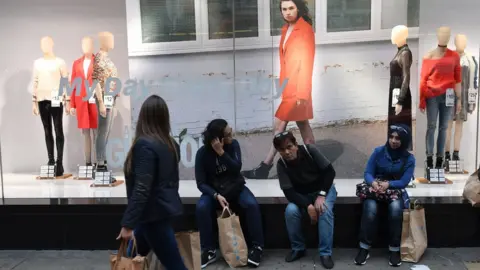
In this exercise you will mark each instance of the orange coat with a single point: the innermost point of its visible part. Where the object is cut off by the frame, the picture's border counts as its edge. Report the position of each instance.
(296, 64)
(87, 114)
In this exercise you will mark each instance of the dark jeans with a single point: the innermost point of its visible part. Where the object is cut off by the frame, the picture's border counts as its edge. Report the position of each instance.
(207, 224)
(159, 237)
(294, 217)
(47, 114)
(368, 226)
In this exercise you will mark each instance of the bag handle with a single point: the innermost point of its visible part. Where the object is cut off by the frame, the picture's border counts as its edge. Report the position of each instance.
(123, 249)
(226, 208)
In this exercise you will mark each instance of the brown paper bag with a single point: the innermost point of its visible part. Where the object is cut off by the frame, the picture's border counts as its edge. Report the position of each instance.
(119, 262)
(414, 234)
(471, 191)
(232, 242)
(189, 247)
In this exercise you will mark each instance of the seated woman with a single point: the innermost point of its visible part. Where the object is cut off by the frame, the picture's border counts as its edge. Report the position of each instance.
(389, 171)
(217, 171)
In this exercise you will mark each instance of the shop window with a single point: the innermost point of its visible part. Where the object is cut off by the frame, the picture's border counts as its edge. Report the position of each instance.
(276, 19)
(400, 12)
(224, 15)
(167, 20)
(349, 15)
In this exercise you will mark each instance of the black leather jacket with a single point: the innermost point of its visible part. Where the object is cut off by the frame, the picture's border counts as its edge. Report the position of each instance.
(152, 186)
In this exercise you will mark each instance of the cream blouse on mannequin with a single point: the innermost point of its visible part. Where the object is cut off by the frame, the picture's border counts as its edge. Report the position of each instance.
(47, 74)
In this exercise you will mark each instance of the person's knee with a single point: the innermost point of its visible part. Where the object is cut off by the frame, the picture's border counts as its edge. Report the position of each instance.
(396, 208)
(370, 209)
(205, 205)
(292, 212)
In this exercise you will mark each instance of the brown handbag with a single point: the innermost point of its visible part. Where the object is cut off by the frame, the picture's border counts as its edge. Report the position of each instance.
(120, 262)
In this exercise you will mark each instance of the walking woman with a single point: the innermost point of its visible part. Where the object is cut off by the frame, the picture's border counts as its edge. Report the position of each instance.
(297, 54)
(152, 180)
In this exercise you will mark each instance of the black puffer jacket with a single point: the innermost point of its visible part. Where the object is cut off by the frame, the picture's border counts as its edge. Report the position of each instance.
(152, 186)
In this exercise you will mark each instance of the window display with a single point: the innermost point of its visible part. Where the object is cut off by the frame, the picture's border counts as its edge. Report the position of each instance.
(337, 74)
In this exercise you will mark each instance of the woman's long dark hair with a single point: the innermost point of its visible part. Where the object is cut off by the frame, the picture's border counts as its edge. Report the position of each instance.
(153, 122)
(215, 129)
(303, 10)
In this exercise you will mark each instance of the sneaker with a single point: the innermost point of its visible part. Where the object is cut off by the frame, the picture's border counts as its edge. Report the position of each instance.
(260, 172)
(255, 256)
(362, 257)
(395, 259)
(208, 257)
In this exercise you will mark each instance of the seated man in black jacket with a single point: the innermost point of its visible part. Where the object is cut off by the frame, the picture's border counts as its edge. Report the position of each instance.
(306, 178)
(217, 171)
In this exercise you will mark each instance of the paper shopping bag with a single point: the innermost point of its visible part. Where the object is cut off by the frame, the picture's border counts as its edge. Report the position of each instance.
(232, 242)
(189, 247)
(471, 191)
(414, 234)
(121, 261)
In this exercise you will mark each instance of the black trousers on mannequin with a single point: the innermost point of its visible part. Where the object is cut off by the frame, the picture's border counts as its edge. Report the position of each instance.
(47, 114)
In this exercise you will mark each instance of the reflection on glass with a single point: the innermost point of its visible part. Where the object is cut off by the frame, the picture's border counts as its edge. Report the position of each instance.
(167, 20)
(220, 18)
(400, 12)
(277, 21)
(348, 15)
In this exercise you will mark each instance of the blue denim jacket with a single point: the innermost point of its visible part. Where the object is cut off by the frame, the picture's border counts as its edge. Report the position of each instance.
(380, 164)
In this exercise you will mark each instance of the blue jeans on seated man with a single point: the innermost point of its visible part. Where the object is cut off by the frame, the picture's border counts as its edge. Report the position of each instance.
(368, 225)
(294, 217)
(207, 225)
(159, 237)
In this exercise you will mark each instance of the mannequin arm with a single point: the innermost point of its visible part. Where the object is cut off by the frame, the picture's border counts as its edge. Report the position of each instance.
(35, 84)
(405, 62)
(72, 98)
(475, 75)
(458, 78)
(96, 75)
(425, 73)
(303, 59)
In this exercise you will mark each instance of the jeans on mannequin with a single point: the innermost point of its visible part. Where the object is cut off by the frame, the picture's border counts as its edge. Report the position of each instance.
(47, 114)
(103, 130)
(90, 135)
(437, 109)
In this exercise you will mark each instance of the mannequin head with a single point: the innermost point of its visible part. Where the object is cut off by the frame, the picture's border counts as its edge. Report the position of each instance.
(292, 10)
(443, 35)
(399, 35)
(460, 42)
(46, 44)
(87, 45)
(106, 41)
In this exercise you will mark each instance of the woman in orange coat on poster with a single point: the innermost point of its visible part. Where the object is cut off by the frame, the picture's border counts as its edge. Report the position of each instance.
(297, 54)
(86, 110)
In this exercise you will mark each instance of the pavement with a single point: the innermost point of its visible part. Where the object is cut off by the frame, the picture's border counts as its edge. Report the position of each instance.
(435, 259)
(347, 146)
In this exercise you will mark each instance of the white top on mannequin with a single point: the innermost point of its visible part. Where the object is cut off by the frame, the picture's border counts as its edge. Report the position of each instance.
(47, 71)
(399, 35)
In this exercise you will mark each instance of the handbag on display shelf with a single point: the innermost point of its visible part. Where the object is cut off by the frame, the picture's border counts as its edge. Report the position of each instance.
(122, 261)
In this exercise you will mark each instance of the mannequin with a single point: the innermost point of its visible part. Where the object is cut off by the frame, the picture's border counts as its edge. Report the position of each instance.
(469, 66)
(103, 68)
(86, 110)
(47, 102)
(440, 84)
(400, 98)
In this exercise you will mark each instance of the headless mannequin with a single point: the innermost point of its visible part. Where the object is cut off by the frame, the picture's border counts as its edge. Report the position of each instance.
(443, 38)
(89, 134)
(48, 71)
(400, 97)
(468, 67)
(290, 14)
(104, 68)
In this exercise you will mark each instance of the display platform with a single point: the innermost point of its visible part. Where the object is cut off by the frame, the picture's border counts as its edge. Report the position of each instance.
(72, 215)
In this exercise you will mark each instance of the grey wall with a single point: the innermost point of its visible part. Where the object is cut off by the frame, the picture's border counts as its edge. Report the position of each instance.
(462, 17)
(24, 22)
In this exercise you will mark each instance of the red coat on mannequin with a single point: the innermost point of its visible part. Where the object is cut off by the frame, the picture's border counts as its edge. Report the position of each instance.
(87, 114)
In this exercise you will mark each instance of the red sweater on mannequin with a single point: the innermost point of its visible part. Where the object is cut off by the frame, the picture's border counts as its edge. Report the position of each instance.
(438, 75)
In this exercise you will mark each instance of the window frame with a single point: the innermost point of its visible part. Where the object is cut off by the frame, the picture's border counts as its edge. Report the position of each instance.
(264, 39)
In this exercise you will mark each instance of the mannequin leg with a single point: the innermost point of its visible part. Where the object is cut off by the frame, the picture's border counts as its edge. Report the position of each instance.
(57, 114)
(445, 115)
(432, 116)
(87, 146)
(448, 137)
(306, 132)
(45, 115)
(104, 125)
(458, 135)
